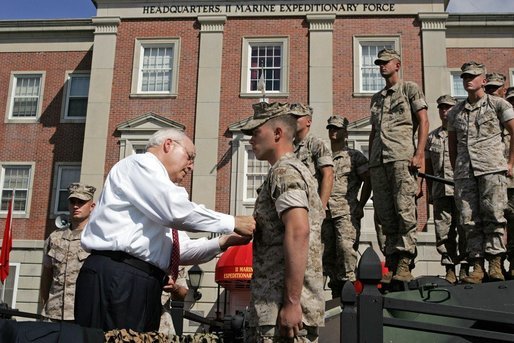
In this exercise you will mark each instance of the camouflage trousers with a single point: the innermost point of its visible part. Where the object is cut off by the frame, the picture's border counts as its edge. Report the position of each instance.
(394, 201)
(339, 256)
(270, 334)
(449, 236)
(509, 216)
(481, 201)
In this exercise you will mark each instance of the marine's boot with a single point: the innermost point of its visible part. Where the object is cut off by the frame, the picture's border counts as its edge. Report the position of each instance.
(463, 271)
(403, 269)
(495, 268)
(451, 277)
(477, 275)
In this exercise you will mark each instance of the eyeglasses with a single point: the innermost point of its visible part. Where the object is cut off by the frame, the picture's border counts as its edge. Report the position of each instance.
(190, 156)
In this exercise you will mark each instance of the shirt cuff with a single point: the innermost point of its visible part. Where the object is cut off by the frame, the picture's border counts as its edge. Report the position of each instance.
(419, 104)
(290, 199)
(228, 222)
(325, 161)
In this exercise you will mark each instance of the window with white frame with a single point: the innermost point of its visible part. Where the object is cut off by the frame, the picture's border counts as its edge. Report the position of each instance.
(264, 60)
(16, 180)
(25, 96)
(9, 289)
(155, 71)
(77, 91)
(66, 175)
(367, 78)
(457, 87)
(255, 174)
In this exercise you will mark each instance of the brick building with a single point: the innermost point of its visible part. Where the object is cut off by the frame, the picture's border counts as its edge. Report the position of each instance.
(78, 95)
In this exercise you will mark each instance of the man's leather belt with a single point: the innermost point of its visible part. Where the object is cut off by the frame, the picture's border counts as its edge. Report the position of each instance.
(123, 257)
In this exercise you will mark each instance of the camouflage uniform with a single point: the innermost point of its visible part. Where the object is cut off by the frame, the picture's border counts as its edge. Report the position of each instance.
(394, 187)
(65, 256)
(445, 212)
(480, 182)
(288, 184)
(509, 210)
(340, 230)
(315, 154)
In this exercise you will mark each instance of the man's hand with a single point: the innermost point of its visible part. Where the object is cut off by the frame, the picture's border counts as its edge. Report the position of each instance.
(417, 163)
(244, 225)
(509, 170)
(177, 292)
(227, 241)
(290, 320)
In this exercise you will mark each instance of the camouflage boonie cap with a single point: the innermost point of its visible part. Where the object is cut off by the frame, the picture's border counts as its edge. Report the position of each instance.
(509, 93)
(385, 55)
(301, 110)
(472, 68)
(446, 99)
(262, 112)
(81, 191)
(495, 79)
(337, 121)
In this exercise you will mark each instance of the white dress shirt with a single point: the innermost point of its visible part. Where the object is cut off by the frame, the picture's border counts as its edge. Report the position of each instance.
(197, 251)
(138, 206)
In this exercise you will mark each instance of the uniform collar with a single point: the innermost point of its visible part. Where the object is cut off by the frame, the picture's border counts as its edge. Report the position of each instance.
(481, 102)
(392, 89)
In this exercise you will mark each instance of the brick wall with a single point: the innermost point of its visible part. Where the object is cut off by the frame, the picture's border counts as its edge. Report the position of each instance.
(45, 142)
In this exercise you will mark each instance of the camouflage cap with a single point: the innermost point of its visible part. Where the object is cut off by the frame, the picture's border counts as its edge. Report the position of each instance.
(301, 110)
(337, 121)
(495, 79)
(472, 68)
(446, 99)
(385, 55)
(509, 93)
(262, 112)
(81, 191)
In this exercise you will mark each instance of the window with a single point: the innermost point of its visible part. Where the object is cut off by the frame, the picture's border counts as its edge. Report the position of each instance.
(138, 148)
(66, 175)
(155, 71)
(8, 290)
(266, 59)
(77, 90)
(367, 78)
(256, 171)
(25, 96)
(16, 180)
(134, 134)
(457, 88)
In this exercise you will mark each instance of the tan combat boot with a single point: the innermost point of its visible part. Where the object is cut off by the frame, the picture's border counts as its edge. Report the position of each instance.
(403, 270)
(477, 275)
(451, 277)
(463, 271)
(495, 268)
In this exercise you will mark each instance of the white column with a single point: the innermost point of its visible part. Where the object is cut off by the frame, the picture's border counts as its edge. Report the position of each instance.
(99, 101)
(320, 70)
(208, 110)
(435, 67)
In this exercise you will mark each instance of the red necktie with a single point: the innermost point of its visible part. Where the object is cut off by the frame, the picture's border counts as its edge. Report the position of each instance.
(175, 255)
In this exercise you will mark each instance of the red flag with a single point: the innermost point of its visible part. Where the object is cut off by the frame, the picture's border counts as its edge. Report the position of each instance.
(6, 244)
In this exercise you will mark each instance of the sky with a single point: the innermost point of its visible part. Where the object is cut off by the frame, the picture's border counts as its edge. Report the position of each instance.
(54, 9)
